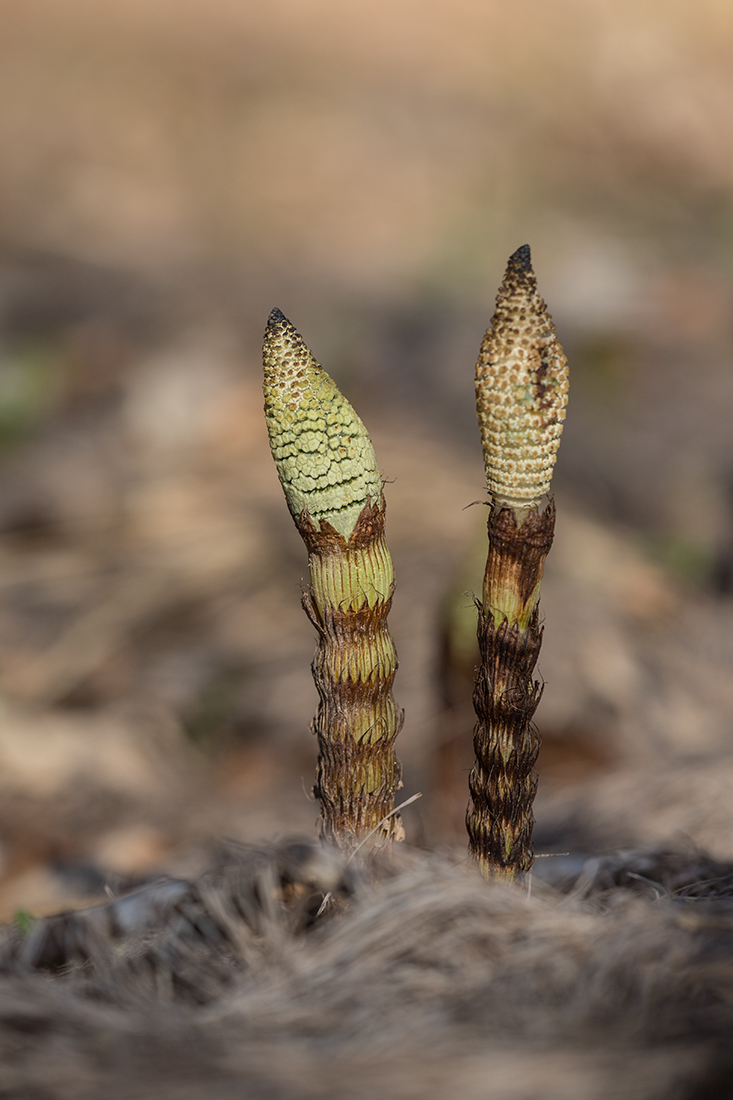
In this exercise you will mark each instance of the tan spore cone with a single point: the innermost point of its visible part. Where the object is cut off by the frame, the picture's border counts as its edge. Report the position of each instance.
(333, 487)
(521, 390)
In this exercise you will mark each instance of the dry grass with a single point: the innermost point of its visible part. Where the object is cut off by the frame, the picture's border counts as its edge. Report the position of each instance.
(423, 982)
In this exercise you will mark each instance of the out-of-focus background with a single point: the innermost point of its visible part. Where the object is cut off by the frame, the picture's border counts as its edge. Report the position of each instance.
(169, 171)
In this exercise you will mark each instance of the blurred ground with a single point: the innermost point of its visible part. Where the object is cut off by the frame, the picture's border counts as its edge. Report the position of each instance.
(171, 172)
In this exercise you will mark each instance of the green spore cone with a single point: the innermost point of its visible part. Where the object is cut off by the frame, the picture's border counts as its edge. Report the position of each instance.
(322, 451)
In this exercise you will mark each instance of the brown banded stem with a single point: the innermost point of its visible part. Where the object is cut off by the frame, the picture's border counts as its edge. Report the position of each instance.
(521, 397)
(328, 471)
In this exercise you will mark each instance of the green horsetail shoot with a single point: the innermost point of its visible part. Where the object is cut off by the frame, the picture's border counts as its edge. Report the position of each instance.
(333, 488)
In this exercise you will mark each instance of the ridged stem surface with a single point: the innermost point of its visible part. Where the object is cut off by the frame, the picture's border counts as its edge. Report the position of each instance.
(506, 742)
(354, 668)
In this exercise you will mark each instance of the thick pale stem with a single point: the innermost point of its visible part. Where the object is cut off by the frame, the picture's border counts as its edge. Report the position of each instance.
(354, 668)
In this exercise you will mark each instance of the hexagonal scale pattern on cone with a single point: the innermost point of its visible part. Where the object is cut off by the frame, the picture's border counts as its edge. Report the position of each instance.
(324, 457)
(521, 389)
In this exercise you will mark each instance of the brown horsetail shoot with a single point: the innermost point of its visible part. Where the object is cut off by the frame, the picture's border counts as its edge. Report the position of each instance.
(333, 488)
(521, 397)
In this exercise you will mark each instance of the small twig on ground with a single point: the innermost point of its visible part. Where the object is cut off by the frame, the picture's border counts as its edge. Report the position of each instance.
(361, 843)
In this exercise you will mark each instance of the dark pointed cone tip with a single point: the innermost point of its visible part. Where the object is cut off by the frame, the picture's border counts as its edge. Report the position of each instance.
(276, 316)
(521, 260)
(279, 328)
